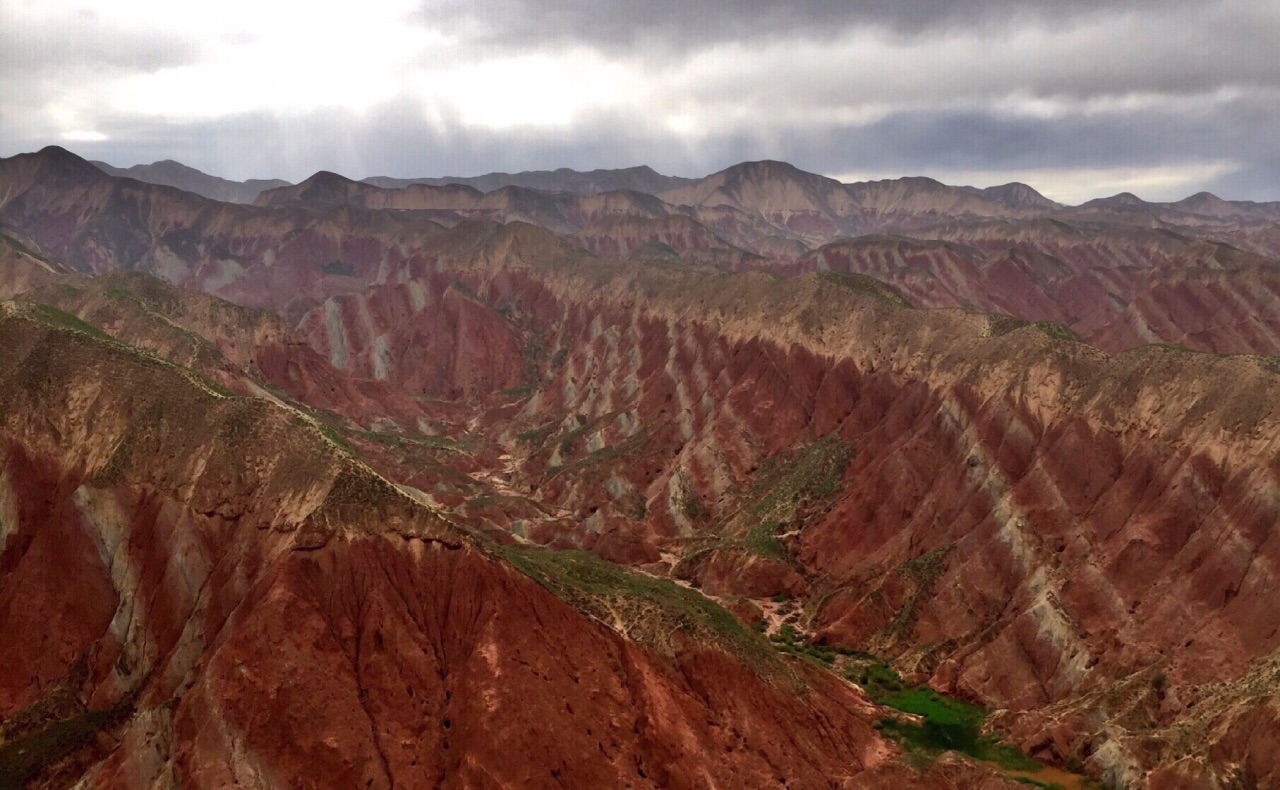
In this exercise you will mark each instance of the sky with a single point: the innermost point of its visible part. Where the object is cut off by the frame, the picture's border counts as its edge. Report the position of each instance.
(1079, 98)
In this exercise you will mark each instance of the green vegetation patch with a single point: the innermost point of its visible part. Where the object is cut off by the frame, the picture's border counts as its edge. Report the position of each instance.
(867, 286)
(60, 319)
(999, 324)
(116, 290)
(789, 641)
(536, 437)
(1058, 331)
(332, 435)
(644, 608)
(945, 723)
(402, 441)
(813, 473)
(1172, 347)
(606, 454)
(22, 759)
(763, 540)
(338, 268)
(923, 571)
(520, 390)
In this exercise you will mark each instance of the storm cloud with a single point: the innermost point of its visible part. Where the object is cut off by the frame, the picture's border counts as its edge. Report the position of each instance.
(1080, 99)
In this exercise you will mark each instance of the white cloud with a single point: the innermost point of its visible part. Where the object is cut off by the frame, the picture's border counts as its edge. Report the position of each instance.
(84, 136)
(280, 55)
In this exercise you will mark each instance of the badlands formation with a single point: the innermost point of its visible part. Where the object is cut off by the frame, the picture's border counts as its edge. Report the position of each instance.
(613, 479)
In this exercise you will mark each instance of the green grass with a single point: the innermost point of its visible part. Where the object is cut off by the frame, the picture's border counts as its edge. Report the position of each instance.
(606, 454)
(763, 540)
(1173, 347)
(811, 474)
(646, 609)
(999, 324)
(867, 286)
(536, 437)
(404, 442)
(520, 390)
(789, 641)
(22, 759)
(877, 679)
(60, 319)
(338, 268)
(948, 724)
(115, 290)
(1026, 780)
(332, 435)
(1058, 331)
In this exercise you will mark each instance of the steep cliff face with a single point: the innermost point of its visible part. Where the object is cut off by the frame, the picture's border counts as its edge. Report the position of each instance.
(221, 596)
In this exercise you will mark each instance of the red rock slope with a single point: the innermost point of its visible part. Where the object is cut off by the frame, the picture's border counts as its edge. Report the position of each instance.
(1019, 518)
(200, 590)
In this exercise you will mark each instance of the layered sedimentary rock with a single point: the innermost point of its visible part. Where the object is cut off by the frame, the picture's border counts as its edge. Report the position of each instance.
(1024, 505)
(201, 590)
(1079, 541)
(1118, 288)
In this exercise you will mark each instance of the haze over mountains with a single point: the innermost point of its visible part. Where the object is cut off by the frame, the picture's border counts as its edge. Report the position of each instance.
(609, 479)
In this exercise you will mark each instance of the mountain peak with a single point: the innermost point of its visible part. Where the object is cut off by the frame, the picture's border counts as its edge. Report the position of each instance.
(326, 177)
(1016, 194)
(56, 159)
(1123, 200)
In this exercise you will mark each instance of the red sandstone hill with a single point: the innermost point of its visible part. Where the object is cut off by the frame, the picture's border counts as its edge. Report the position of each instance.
(652, 419)
(1118, 288)
(334, 236)
(1081, 542)
(226, 597)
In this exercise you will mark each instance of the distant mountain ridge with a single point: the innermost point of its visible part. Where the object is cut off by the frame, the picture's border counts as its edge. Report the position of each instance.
(636, 179)
(169, 173)
(911, 193)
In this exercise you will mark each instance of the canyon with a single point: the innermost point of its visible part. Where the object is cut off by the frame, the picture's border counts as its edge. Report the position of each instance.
(520, 482)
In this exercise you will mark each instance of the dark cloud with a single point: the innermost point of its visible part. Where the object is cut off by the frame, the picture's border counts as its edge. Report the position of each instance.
(392, 140)
(908, 87)
(85, 40)
(682, 25)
